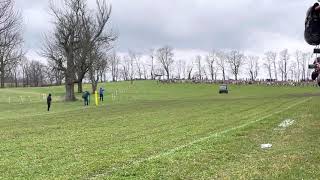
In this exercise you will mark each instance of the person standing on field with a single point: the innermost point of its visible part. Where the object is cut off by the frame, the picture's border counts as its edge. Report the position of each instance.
(101, 93)
(49, 100)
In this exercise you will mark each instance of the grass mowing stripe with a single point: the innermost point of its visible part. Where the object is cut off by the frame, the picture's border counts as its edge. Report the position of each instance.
(180, 129)
(174, 126)
(215, 135)
(48, 113)
(177, 126)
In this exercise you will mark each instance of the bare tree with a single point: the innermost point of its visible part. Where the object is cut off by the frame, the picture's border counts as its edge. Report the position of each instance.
(273, 58)
(10, 22)
(152, 57)
(165, 58)
(190, 67)
(283, 64)
(136, 62)
(271, 63)
(235, 60)
(98, 60)
(253, 67)
(76, 34)
(292, 70)
(211, 60)
(298, 56)
(179, 65)
(269, 59)
(199, 66)
(145, 71)
(114, 61)
(304, 64)
(10, 39)
(126, 68)
(221, 62)
(184, 69)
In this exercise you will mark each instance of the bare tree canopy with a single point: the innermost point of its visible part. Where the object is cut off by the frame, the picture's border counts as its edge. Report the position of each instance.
(10, 19)
(198, 62)
(270, 63)
(10, 38)
(221, 62)
(235, 60)
(283, 64)
(253, 67)
(165, 58)
(114, 61)
(211, 59)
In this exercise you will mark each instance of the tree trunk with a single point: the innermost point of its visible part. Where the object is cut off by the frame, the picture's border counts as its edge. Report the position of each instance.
(80, 89)
(2, 80)
(2, 75)
(70, 92)
(168, 74)
(15, 80)
(223, 75)
(94, 87)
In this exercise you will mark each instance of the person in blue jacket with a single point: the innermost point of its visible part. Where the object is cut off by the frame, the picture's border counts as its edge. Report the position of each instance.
(101, 93)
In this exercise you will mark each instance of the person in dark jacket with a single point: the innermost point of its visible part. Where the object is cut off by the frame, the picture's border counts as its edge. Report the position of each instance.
(86, 97)
(49, 100)
(101, 93)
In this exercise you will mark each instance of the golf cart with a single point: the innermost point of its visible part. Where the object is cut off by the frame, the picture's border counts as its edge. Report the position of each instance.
(223, 89)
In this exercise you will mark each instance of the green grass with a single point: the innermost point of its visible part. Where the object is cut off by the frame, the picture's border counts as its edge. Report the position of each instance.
(161, 131)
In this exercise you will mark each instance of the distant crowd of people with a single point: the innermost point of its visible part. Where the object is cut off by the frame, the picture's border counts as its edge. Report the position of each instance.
(243, 82)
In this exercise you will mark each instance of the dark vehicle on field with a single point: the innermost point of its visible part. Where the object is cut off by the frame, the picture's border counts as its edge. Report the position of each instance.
(223, 89)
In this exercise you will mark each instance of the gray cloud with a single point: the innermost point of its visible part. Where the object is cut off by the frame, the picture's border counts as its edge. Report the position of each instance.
(190, 24)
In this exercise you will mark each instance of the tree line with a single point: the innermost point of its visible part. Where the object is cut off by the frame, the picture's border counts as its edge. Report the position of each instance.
(80, 49)
(215, 65)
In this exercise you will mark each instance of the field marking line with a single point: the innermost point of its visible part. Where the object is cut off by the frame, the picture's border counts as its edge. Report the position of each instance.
(215, 135)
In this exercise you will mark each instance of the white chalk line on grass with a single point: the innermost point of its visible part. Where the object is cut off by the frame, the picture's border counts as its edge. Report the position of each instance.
(215, 135)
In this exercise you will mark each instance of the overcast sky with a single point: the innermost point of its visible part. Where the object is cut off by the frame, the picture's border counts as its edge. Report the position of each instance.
(189, 26)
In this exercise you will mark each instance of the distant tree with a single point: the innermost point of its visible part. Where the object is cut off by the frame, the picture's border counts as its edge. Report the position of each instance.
(269, 59)
(165, 58)
(199, 66)
(184, 69)
(273, 58)
(221, 62)
(114, 61)
(235, 60)
(152, 69)
(253, 67)
(98, 60)
(211, 60)
(145, 71)
(179, 66)
(304, 64)
(190, 67)
(126, 68)
(283, 64)
(298, 58)
(136, 62)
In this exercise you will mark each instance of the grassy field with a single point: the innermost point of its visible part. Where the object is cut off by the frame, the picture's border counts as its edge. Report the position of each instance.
(161, 131)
